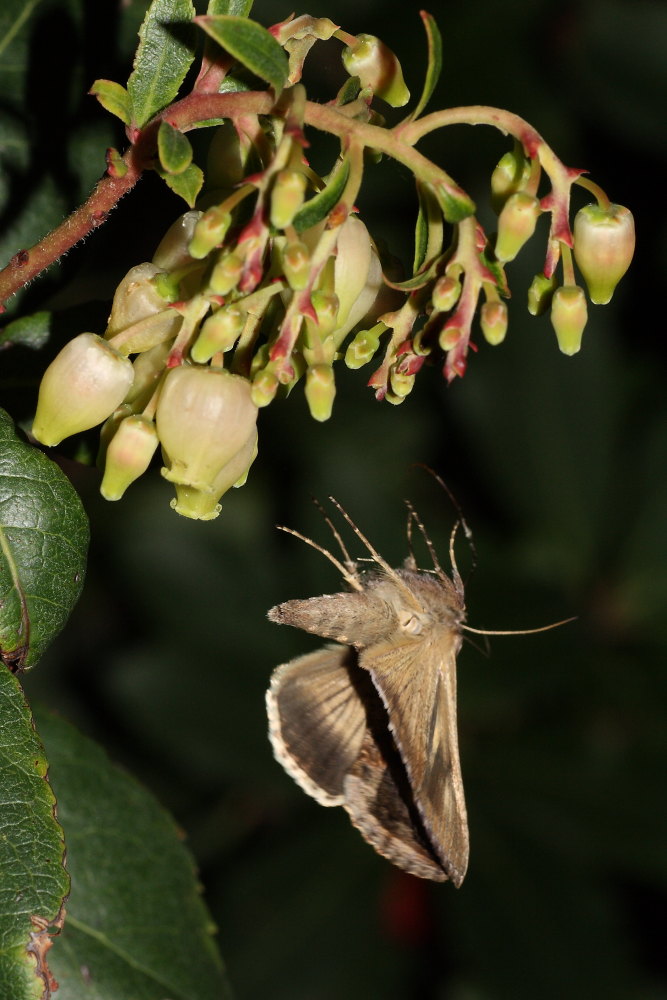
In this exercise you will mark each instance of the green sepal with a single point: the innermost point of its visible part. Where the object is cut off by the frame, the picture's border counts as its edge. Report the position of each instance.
(113, 98)
(349, 91)
(174, 149)
(417, 280)
(186, 185)
(428, 229)
(434, 64)
(319, 206)
(28, 331)
(456, 205)
(163, 57)
(251, 45)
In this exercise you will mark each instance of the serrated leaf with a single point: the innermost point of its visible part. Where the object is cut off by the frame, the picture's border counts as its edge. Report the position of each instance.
(43, 546)
(136, 926)
(240, 8)
(251, 45)
(164, 56)
(28, 331)
(113, 98)
(319, 206)
(186, 185)
(174, 149)
(434, 65)
(34, 882)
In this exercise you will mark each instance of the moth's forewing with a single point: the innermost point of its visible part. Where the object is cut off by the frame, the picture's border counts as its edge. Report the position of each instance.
(415, 675)
(317, 720)
(355, 618)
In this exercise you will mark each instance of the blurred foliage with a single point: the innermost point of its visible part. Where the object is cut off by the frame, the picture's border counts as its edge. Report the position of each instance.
(559, 465)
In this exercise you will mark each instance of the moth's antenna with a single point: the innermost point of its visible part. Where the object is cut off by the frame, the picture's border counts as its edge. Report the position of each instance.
(519, 631)
(467, 531)
(343, 570)
(377, 557)
(456, 576)
(414, 516)
(410, 562)
(349, 561)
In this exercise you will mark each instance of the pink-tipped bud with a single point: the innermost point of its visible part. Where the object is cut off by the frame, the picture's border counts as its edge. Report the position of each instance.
(604, 243)
(226, 274)
(320, 391)
(493, 321)
(172, 252)
(204, 418)
(446, 292)
(287, 197)
(82, 386)
(129, 454)
(201, 505)
(541, 293)
(568, 317)
(516, 225)
(511, 174)
(363, 346)
(378, 68)
(136, 299)
(265, 385)
(209, 232)
(296, 265)
(219, 333)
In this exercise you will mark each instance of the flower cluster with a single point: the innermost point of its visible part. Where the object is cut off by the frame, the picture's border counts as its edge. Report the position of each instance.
(267, 281)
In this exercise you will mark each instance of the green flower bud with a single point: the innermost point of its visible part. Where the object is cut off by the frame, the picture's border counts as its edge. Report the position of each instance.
(446, 292)
(401, 383)
(604, 243)
(326, 306)
(287, 197)
(320, 391)
(296, 265)
(172, 252)
(378, 68)
(137, 299)
(147, 368)
(363, 346)
(357, 275)
(265, 385)
(204, 418)
(493, 321)
(129, 454)
(226, 274)
(209, 232)
(219, 333)
(568, 317)
(81, 387)
(516, 224)
(541, 293)
(511, 174)
(203, 505)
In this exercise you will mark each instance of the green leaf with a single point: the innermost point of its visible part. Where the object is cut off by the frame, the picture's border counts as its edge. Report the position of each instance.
(32, 850)
(29, 331)
(240, 8)
(186, 185)
(164, 56)
(319, 206)
(434, 66)
(174, 149)
(43, 545)
(456, 205)
(113, 98)
(251, 45)
(136, 926)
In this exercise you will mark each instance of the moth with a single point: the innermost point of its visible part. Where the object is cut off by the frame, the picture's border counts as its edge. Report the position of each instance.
(368, 722)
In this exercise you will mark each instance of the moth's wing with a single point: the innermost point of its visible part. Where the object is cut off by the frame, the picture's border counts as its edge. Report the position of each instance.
(317, 720)
(416, 679)
(379, 802)
(355, 618)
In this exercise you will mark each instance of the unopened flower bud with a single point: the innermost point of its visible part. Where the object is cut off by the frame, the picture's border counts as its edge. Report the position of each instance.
(357, 275)
(265, 385)
(128, 455)
(449, 337)
(604, 243)
(541, 293)
(81, 387)
(401, 383)
(137, 298)
(511, 174)
(203, 505)
(446, 292)
(209, 231)
(146, 368)
(568, 317)
(172, 252)
(516, 224)
(320, 391)
(287, 197)
(363, 346)
(296, 265)
(226, 274)
(326, 306)
(219, 333)
(493, 321)
(204, 418)
(378, 68)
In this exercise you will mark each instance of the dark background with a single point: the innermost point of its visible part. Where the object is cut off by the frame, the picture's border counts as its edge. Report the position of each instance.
(559, 466)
